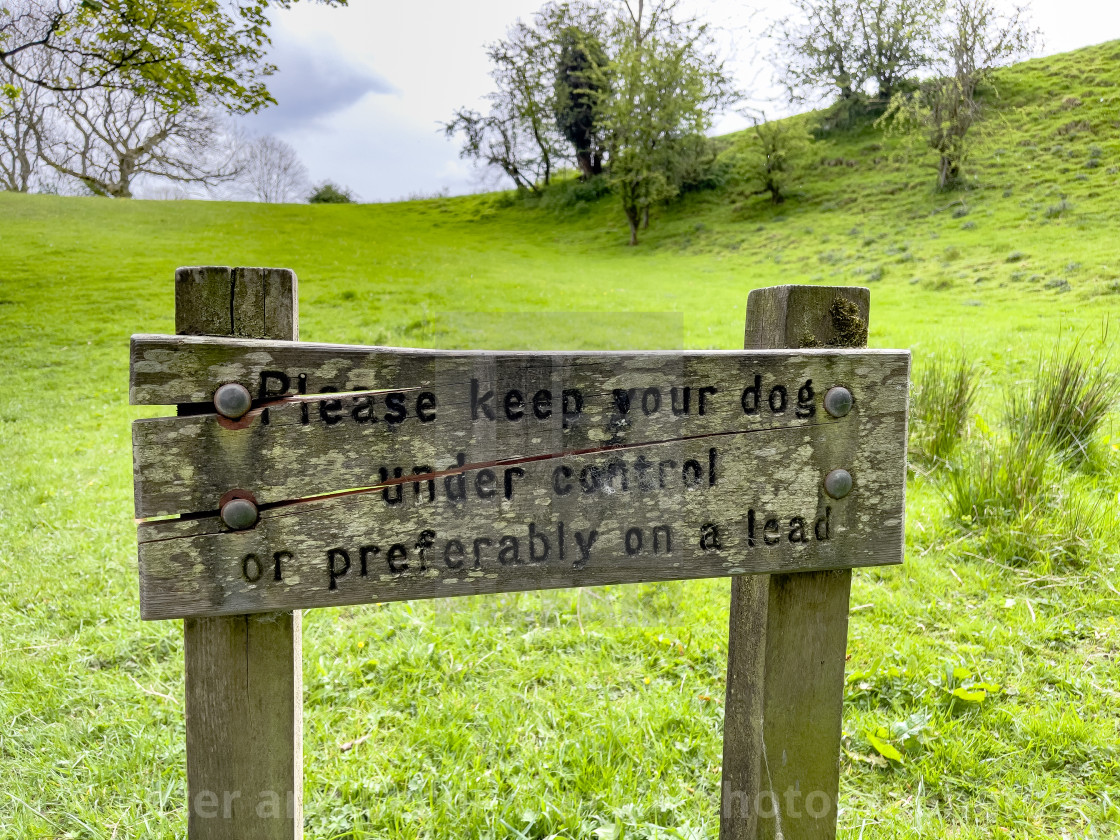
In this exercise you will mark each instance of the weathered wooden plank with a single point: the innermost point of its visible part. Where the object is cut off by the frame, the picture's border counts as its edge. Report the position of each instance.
(764, 497)
(244, 678)
(177, 369)
(476, 410)
(245, 302)
(788, 632)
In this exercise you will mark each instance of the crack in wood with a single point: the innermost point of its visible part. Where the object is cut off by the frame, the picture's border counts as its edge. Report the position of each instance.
(504, 462)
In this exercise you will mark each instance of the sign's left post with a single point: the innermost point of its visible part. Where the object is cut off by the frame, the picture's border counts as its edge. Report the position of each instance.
(244, 680)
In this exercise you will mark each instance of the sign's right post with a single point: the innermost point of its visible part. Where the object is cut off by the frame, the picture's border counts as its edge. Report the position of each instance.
(788, 633)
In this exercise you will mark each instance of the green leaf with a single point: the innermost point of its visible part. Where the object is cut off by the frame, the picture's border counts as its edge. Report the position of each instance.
(970, 695)
(883, 748)
(991, 688)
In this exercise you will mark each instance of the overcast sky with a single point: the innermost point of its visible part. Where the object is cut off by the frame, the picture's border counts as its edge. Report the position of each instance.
(362, 90)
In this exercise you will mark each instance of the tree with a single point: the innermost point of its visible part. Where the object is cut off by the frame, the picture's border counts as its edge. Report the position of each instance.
(19, 160)
(522, 64)
(498, 139)
(528, 133)
(975, 38)
(181, 54)
(770, 156)
(895, 40)
(848, 45)
(665, 84)
(271, 170)
(518, 135)
(578, 86)
(818, 49)
(106, 139)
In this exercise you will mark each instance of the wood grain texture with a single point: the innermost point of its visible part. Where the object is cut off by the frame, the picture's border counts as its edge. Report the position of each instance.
(788, 632)
(245, 302)
(185, 464)
(244, 684)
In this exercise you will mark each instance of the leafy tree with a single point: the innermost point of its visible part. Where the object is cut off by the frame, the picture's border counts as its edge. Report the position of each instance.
(771, 156)
(665, 85)
(520, 134)
(579, 85)
(847, 45)
(498, 139)
(975, 37)
(180, 54)
(522, 66)
(818, 49)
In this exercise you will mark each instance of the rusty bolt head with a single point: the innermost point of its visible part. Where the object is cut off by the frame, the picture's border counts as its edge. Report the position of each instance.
(838, 484)
(239, 514)
(838, 401)
(233, 400)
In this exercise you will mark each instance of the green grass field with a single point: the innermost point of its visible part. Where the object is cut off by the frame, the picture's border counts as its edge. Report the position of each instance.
(594, 713)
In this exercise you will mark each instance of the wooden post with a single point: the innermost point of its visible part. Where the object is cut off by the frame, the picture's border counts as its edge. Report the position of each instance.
(244, 680)
(788, 633)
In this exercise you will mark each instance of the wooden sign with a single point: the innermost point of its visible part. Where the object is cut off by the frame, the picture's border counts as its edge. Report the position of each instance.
(385, 474)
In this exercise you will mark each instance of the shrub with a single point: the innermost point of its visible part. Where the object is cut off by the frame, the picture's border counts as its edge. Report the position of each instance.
(769, 158)
(330, 193)
(942, 399)
(1059, 209)
(568, 193)
(1067, 401)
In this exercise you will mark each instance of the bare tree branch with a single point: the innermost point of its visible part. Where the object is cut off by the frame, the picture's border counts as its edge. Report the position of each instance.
(271, 171)
(106, 139)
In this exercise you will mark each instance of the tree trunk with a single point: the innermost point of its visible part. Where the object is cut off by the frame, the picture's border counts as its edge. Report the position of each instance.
(947, 172)
(633, 216)
(25, 169)
(645, 217)
(586, 165)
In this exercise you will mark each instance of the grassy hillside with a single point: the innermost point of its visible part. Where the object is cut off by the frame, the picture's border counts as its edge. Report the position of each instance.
(593, 714)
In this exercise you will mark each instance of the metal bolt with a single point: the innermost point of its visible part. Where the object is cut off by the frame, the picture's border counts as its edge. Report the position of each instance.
(838, 401)
(233, 400)
(239, 514)
(838, 484)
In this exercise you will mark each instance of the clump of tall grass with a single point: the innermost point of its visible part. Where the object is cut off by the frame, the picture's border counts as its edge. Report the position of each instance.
(1064, 533)
(1017, 490)
(1067, 401)
(941, 401)
(1000, 481)
(1024, 506)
